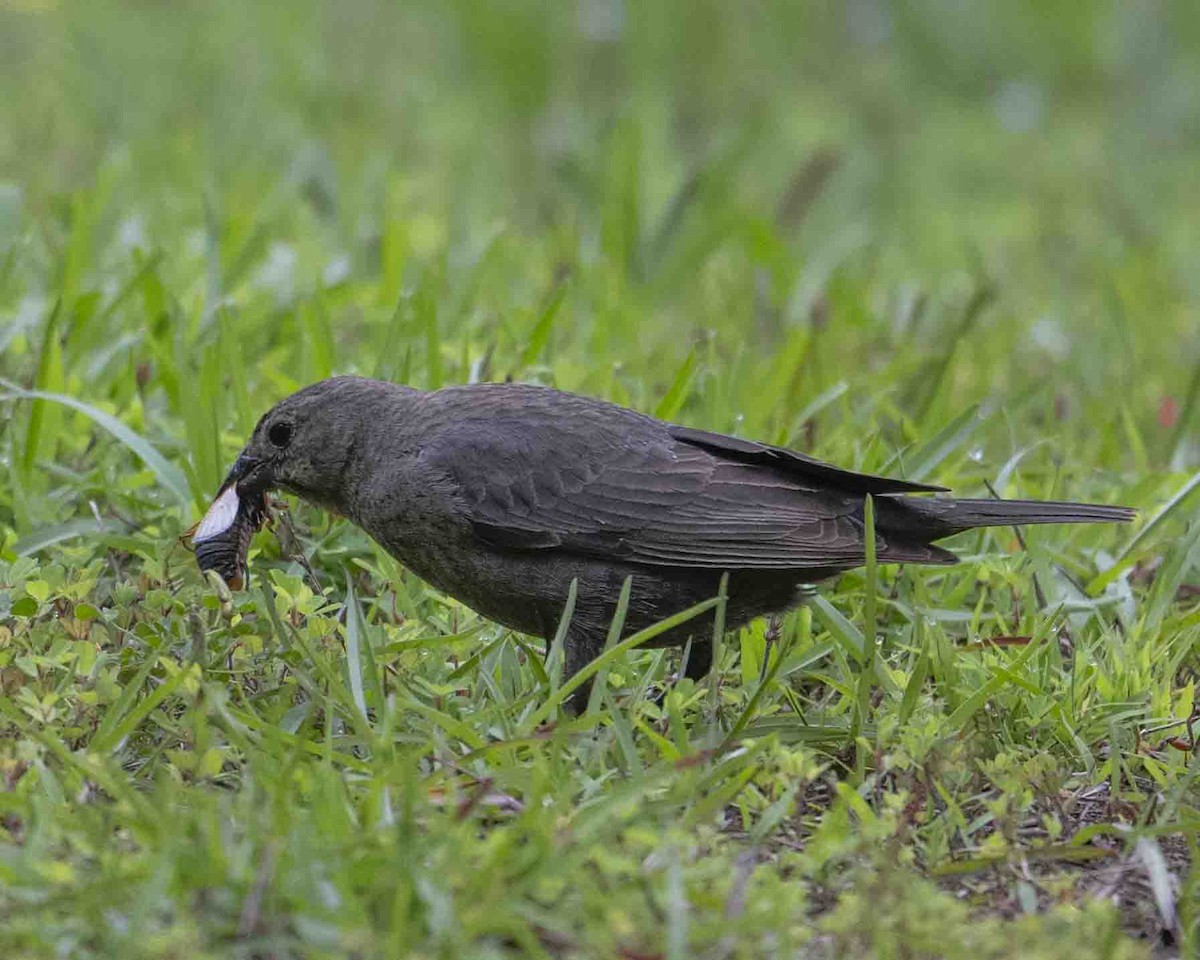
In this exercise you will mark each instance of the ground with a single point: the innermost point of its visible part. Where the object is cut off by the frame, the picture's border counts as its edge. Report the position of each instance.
(954, 245)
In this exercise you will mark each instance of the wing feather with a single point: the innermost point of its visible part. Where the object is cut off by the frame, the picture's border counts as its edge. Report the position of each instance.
(594, 480)
(799, 464)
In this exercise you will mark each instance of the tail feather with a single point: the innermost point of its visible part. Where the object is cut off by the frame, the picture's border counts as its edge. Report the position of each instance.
(992, 513)
(937, 517)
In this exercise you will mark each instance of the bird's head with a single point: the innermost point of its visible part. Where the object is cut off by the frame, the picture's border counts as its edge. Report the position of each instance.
(306, 443)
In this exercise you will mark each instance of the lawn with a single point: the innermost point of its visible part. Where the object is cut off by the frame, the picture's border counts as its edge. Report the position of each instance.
(956, 243)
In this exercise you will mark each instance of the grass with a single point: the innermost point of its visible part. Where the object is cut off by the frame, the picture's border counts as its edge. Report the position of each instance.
(918, 242)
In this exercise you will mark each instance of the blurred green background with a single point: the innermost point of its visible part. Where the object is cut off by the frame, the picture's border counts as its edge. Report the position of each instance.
(955, 241)
(708, 173)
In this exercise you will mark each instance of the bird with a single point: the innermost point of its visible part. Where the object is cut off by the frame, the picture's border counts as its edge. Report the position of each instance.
(503, 495)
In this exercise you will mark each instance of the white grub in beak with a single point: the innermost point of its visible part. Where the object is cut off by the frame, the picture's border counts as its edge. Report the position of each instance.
(220, 515)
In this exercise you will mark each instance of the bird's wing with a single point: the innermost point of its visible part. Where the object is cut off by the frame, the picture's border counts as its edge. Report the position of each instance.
(796, 464)
(643, 493)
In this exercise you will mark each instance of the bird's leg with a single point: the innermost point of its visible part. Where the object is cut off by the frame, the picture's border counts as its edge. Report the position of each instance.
(580, 649)
(699, 660)
(695, 667)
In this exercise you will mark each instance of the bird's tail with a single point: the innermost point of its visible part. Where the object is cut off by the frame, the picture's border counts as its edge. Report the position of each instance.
(998, 513)
(939, 517)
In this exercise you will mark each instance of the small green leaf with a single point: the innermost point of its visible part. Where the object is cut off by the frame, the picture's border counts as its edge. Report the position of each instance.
(211, 762)
(25, 607)
(85, 611)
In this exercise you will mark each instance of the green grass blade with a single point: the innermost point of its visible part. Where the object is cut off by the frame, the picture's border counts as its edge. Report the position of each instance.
(539, 337)
(111, 737)
(920, 463)
(848, 636)
(170, 476)
(1168, 511)
(556, 656)
(675, 397)
(355, 652)
(47, 376)
(718, 639)
(606, 659)
(615, 626)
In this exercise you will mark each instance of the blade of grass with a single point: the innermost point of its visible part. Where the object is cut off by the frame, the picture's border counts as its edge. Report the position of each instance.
(842, 630)
(615, 626)
(117, 732)
(170, 476)
(124, 702)
(920, 463)
(972, 704)
(927, 384)
(61, 532)
(824, 399)
(1127, 556)
(718, 636)
(606, 658)
(539, 337)
(862, 699)
(556, 655)
(1187, 412)
(358, 651)
(916, 679)
(49, 360)
(677, 394)
(425, 314)
(743, 720)
(95, 768)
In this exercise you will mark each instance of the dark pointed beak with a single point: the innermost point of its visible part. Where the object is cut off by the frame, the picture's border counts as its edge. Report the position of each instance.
(248, 471)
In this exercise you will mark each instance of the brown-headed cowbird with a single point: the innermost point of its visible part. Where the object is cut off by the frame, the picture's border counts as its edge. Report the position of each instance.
(501, 495)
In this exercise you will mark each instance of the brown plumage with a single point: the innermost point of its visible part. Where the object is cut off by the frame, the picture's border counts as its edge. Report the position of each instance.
(502, 494)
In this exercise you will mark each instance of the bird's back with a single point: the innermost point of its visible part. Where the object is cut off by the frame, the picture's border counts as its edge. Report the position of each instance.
(539, 469)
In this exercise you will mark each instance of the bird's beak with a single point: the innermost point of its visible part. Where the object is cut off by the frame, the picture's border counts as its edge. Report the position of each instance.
(251, 474)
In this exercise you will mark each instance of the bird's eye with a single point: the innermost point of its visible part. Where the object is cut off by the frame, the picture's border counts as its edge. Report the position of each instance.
(280, 434)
